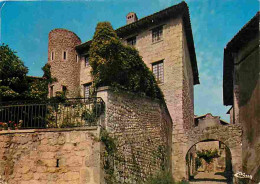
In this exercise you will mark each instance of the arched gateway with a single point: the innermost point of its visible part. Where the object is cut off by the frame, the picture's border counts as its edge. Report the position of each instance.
(228, 134)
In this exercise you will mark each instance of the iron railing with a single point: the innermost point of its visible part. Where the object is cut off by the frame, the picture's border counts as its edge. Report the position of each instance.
(74, 112)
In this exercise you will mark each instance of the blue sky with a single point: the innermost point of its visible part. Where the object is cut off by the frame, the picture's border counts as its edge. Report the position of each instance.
(25, 26)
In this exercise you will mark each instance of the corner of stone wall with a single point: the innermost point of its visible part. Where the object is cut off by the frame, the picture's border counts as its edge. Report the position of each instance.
(142, 128)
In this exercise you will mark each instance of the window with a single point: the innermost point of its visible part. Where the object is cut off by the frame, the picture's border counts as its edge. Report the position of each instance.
(131, 41)
(87, 90)
(51, 91)
(86, 61)
(157, 34)
(52, 56)
(64, 55)
(77, 58)
(158, 71)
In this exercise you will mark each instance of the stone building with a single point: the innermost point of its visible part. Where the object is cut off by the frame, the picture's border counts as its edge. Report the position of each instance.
(241, 89)
(165, 42)
(220, 164)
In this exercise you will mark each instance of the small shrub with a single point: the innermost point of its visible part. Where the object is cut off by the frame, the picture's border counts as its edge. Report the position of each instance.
(89, 116)
(67, 123)
(208, 155)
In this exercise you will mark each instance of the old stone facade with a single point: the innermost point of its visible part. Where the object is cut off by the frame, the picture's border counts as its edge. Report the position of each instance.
(165, 42)
(63, 61)
(51, 156)
(241, 85)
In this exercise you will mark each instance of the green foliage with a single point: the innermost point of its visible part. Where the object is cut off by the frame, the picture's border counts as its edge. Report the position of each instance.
(15, 85)
(208, 155)
(109, 142)
(90, 117)
(67, 123)
(160, 154)
(59, 97)
(38, 88)
(109, 154)
(47, 74)
(119, 66)
(13, 82)
(198, 162)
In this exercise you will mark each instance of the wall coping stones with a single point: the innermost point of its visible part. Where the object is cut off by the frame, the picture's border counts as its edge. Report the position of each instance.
(49, 130)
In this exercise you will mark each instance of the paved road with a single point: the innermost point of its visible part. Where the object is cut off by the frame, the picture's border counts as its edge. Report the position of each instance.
(208, 182)
(209, 178)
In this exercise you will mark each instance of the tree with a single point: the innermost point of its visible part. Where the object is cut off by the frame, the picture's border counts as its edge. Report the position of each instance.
(13, 81)
(15, 85)
(119, 66)
(38, 87)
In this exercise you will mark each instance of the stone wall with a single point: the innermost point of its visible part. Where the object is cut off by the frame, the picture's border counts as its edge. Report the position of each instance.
(65, 71)
(50, 156)
(230, 135)
(247, 69)
(142, 128)
(182, 111)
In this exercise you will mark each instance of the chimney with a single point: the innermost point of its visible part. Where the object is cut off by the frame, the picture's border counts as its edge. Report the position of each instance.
(131, 17)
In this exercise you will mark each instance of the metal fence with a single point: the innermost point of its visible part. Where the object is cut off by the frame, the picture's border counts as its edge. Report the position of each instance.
(74, 112)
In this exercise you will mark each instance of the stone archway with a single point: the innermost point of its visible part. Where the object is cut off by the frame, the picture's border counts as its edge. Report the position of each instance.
(230, 135)
(206, 127)
(218, 170)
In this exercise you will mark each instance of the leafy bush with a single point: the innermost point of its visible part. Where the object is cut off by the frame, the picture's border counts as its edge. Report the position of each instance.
(198, 162)
(119, 66)
(13, 83)
(90, 117)
(208, 155)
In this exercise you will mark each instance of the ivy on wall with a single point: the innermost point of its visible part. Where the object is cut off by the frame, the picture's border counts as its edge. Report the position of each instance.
(119, 66)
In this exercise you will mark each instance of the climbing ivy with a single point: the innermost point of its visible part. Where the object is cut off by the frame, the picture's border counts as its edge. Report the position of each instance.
(109, 156)
(119, 66)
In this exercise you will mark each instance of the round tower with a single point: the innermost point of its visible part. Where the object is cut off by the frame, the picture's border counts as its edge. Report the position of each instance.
(64, 61)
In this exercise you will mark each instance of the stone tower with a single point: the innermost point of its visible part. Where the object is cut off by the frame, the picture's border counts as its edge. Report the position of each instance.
(64, 61)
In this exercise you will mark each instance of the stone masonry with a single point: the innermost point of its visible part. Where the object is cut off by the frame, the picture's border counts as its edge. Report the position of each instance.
(175, 49)
(66, 71)
(50, 156)
(230, 135)
(142, 129)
